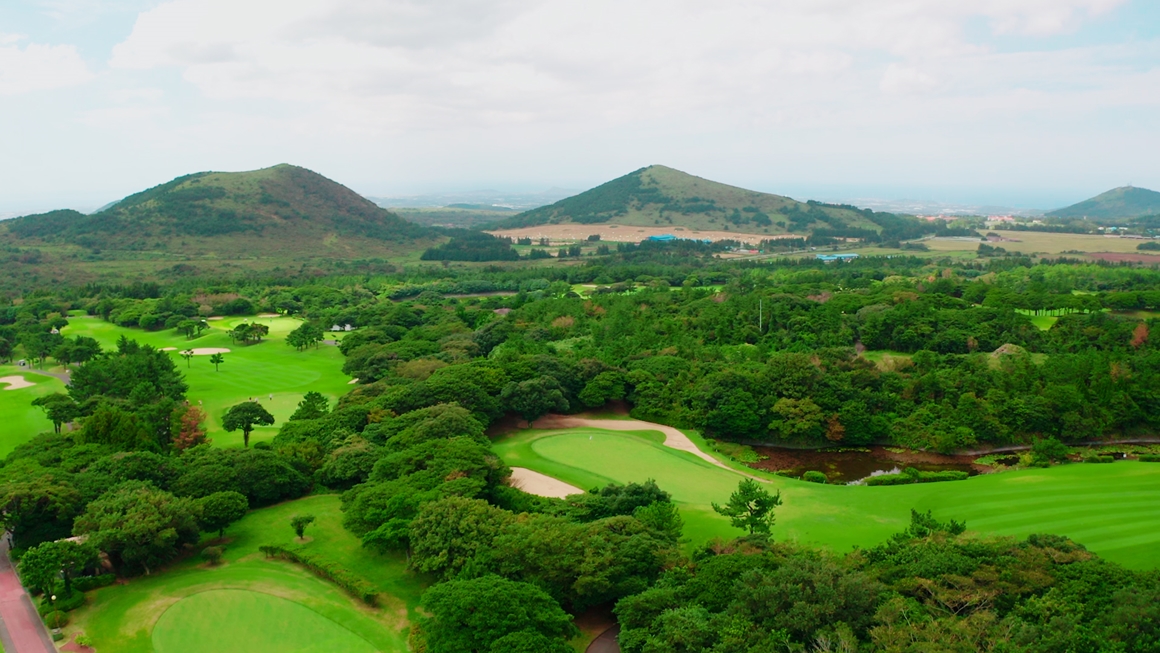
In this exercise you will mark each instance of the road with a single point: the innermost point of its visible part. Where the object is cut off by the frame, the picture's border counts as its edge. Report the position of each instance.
(21, 630)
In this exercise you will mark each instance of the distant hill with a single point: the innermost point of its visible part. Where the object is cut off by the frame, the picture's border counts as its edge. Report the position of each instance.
(278, 211)
(1116, 204)
(658, 195)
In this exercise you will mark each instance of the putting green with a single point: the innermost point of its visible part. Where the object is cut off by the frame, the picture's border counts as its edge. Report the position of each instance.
(250, 371)
(219, 621)
(1114, 509)
(20, 419)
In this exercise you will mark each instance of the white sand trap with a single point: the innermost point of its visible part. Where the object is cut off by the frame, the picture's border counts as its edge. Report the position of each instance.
(352, 381)
(207, 351)
(268, 315)
(541, 485)
(16, 382)
(168, 349)
(216, 317)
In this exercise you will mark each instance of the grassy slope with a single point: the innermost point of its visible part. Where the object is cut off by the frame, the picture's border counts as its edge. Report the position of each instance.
(20, 419)
(1123, 202)
(121, 617)
(681, 186)
(248, 371)
(1112, 509)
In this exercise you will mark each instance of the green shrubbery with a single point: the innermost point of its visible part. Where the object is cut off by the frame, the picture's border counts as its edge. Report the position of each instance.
(1149, 458)
(353, 584)
(86, 583)
(815, 477)
(56, 619)
(912, 475)
(63, 603)
(1099, 459)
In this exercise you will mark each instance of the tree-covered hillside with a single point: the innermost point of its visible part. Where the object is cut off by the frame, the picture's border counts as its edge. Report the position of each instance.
(285, 206)
(1116, 204)
(658, 195)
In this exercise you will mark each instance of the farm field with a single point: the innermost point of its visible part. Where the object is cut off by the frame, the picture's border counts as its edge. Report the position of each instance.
(253, 604)
(1114, 509)
(561, 233)
(257, 370)
(1044, 243)
(20, 418)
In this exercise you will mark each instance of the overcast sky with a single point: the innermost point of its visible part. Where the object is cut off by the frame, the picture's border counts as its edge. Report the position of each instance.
(1035, 103)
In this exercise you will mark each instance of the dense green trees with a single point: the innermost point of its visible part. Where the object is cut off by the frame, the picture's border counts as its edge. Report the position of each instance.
(139, 525)
(491, 613)
(245, 416)
(751, 507)
(220, 509)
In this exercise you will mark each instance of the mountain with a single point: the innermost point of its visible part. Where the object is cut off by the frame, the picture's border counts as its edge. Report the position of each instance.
(1116, 204)
(281, 211)
(658, 195)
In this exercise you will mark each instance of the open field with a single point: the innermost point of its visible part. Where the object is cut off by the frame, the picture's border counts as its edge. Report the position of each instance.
(258, 370)
(249, 603)
(561, 233)
(20, 419)
(1114, 510)
(1030, 242)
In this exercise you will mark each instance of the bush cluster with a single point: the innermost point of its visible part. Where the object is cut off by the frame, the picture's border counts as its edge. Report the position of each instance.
(353, 584)
(912, 475)
(86, 583)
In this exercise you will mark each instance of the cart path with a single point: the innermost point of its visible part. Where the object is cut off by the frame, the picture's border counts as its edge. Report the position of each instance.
(21, 630)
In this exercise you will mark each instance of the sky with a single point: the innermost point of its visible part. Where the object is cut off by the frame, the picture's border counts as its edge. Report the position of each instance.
(1024, 103)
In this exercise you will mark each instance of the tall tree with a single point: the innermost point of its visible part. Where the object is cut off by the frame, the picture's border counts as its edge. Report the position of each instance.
(313, 405)
(246, 416)
(60, 408)
(221, 509)
(139, 525)
(217, 359)
(472, 615)
(750, 507)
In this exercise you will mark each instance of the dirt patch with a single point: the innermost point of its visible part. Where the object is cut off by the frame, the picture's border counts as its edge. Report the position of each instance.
(1125, 258)
(541, 485)
(73, 647)
(559, 233)
(15, 382)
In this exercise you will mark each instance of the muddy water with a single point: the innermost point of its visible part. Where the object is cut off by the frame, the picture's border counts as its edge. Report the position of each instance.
(851, 466)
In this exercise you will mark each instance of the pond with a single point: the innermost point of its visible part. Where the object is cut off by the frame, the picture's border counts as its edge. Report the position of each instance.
(852, 465)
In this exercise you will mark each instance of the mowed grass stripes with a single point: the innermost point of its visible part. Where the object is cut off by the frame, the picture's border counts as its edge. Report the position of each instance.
(1113, 509)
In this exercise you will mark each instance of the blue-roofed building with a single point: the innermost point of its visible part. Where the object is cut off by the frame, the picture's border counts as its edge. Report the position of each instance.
(837, 257)
(662, 238)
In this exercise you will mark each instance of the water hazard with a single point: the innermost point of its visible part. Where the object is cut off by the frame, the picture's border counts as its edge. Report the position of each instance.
(851, 465)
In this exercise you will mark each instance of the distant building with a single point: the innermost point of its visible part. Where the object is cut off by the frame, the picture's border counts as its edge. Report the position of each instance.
(336, 328)
(662, 238)
(348, 328)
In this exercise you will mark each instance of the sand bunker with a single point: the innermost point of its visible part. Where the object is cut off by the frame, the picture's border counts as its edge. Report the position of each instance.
(15, 382)
(352, 381)
(168, 349)
(207, 351)
(268, 315)
(540, 485)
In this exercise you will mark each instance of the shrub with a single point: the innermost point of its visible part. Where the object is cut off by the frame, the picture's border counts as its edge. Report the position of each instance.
(911, 475)
(84, 640)
(1149, 458)
(212, 554)
(814, 477)
(56, 619)
(86, 583)
(63, 603)
(1099, 459)
(355, 585)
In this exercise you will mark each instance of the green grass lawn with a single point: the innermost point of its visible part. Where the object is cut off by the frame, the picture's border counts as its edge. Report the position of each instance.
(252, 604)
(20, 419)
(1114, 509)
(258, 370)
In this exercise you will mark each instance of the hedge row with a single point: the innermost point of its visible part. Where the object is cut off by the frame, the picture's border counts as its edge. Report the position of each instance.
(355, 585)
(86, 583)
(911, 475)
(1149, 458)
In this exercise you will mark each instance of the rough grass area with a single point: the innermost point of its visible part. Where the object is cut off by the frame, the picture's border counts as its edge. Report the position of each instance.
(19, 419)
(1030, 242)
(1112, 509)
(136, 617)
(257, 370)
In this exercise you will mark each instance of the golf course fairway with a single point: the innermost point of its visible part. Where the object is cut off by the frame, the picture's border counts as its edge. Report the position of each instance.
(21, 420)
(255, 371)
(1114, 510)
(242, 620)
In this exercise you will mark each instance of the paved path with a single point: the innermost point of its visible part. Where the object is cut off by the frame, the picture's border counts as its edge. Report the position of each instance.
(606, 643)
(21, 630)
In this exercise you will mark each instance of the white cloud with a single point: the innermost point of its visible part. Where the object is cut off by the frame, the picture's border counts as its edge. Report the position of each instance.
(37, 67)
